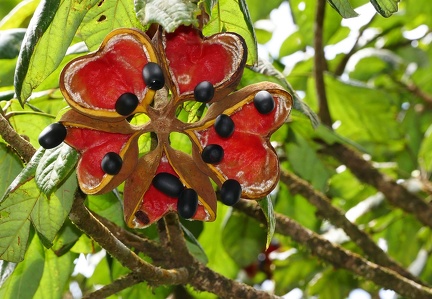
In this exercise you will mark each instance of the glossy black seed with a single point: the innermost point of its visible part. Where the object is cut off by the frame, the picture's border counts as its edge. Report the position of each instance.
(204, 92)
(224, 126)
(212, 153)
(142, 217)
(264, 102)
(126, 103)
(153, 76)
(52, 135)
(168, 184)
(187, 203)
(111, 163)
(230, 192)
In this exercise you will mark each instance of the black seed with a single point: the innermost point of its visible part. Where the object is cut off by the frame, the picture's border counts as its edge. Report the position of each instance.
(126, 103)
(52, 135)
(168, 184)
(153, 76)
(187, 203)
(204, 92)
(111, 163)
(224, 126)
(264, 102)
(142, 217)
(230, 192)
(212, 153)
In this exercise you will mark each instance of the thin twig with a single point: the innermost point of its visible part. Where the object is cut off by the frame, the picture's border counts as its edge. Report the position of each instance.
(116, 286)
(320, 65)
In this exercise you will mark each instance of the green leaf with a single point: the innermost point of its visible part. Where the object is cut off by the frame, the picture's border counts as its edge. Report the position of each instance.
(18, 17)
(54, 166)
(168, 13)
(343, 7)
(49, 213)
(47, 39)
(104, 17)
(56, 274)
(107, 205)
(66, 238)
(194, 246)
(266, 205)
(385, 7)
(10, 42)
(243, 238)
(26, 174)
(10, 166)
(26, 277)
(292, 44)
(233, 16)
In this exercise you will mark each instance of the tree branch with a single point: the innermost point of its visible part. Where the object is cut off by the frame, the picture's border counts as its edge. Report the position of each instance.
(395, 193)
(116, 286)
(320, 65)
(337, 255)
(85, 221)
(18, 143)
(297, 185)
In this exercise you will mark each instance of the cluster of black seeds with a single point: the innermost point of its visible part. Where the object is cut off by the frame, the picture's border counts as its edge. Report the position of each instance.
(52, 135)
(169, 184)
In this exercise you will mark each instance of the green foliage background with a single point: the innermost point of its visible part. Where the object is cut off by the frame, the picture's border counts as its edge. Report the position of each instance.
(379, 95)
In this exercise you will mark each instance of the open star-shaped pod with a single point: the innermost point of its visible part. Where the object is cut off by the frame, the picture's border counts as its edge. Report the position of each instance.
(229, 143)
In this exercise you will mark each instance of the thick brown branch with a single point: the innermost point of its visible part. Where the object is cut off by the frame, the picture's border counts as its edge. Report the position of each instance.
(320, 65)
(336, 216)
(339, 256)
(21, 146)
(395, 193)
(85, 221)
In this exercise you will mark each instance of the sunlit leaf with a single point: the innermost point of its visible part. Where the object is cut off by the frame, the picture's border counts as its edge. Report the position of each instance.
(194, 246)
(10, 42)
(266, 205)
(49, 213)
(56, 273)
(243, 238)
(48, 36)
(104, 17)
(10, 167)
(168, 13)
(19, 15)
(26, 277)
(233, 16)
(54, 167)
(385, 7)
(343, 7)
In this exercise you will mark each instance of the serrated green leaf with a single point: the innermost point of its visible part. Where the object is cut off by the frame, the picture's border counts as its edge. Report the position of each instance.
(25, 279)
(49, 213)
(10, 42)
(343, 7)
(266, 205)
(26, 174)
(168, 13)
(104, 17)
(385, 7)
(233, 16)
(47, 39)
(54, 166)
(243, 238)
